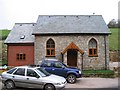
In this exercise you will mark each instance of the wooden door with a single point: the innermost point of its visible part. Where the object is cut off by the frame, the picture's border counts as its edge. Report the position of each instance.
(72, 58)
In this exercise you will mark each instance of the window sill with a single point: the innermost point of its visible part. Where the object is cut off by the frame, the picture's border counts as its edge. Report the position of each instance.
(49, 56)
(92, 55)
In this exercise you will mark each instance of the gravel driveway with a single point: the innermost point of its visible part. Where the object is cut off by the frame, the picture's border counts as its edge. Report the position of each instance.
(89, 84)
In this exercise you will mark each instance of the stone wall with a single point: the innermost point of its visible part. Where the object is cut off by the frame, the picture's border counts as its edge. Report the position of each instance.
(114, 56)
(61, 42)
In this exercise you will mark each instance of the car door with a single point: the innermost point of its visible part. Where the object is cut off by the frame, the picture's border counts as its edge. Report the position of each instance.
(48, 67)
(58, 69)
(33, 79)
(19, 77)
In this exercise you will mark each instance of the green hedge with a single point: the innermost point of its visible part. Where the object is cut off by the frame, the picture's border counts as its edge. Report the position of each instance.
(98, 73)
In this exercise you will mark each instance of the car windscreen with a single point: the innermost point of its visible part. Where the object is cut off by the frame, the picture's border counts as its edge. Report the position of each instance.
(43, 72)
(11, 70)
(64, 65)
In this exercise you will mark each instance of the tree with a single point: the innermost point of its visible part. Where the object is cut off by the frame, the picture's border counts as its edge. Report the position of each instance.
(112, 23)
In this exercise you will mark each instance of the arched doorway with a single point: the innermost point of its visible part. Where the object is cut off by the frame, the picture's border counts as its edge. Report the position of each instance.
(72, 57)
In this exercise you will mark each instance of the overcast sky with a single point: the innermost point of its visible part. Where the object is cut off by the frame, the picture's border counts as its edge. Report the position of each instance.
(27, 11)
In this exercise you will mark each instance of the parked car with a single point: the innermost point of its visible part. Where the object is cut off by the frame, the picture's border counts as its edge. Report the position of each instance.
(32, 77)
(54, 66)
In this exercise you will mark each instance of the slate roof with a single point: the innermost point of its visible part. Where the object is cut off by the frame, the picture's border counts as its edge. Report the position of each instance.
(71, 24)
(57, 24)
(21, 33)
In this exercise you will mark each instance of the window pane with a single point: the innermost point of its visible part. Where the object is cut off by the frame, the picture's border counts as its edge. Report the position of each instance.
(11, 70)
(52, 46)
(90, 51)
(92, 43)
(24, 56)
(48, 51)
(47, 64)
(95, 51)
(50, 41)
(31, 73)
(52, 52)
(20, 71)
(57, 65)
(17, 56)
(20, 56)
(48, 45)
(92, 47)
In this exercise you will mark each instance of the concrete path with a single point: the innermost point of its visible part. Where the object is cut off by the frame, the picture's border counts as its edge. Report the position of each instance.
(95, 83)
(88, 84)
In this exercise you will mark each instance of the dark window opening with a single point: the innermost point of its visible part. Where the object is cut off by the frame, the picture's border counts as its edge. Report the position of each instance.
(21, 56)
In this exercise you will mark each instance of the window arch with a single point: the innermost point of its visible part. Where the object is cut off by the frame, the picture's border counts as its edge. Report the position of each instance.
(92, 47)
(50, 47)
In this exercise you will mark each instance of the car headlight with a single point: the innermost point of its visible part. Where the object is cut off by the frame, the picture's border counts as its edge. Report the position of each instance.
(79, 72)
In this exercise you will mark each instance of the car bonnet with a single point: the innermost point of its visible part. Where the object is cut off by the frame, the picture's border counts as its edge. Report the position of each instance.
(55, 79)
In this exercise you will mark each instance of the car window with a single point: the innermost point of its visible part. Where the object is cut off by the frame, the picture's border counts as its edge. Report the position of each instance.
(32, 73)
(20, 71)
(42, 72)
(57, 65)
(47, 64)
(11, 70)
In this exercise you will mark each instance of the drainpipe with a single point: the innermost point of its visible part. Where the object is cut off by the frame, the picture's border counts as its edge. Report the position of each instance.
(82, 62)
(105, 53)
(62, 57)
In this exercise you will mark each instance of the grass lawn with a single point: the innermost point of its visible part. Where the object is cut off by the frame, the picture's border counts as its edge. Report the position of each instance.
(114, 39)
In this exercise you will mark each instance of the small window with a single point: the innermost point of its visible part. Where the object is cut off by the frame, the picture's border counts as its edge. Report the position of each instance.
(20, 71)
(21, 56)
(22, 37)
(93, 48)
(50, 48)
(11, 70)
(32, 73)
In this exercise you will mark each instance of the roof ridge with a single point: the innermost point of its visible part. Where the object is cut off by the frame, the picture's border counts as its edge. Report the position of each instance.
(25, 23)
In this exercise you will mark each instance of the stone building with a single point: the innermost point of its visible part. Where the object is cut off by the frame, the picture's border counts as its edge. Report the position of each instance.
(77, 40)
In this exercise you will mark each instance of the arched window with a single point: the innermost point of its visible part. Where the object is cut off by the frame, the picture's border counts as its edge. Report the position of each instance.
(92, 48)
(50, 48)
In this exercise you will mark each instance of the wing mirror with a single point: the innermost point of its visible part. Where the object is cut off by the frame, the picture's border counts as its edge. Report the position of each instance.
(37, 76)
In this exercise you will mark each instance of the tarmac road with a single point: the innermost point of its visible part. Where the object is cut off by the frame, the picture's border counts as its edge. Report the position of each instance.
(87, 84)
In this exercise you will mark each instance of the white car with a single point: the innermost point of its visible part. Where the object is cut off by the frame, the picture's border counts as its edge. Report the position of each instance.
(32, 77)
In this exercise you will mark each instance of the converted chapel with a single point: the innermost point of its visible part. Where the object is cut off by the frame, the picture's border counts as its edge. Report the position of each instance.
(77, 40)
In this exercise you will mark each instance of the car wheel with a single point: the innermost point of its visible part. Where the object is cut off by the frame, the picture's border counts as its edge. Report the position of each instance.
(71, 78)
(9, 85)
(49, 87)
